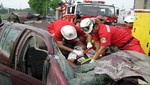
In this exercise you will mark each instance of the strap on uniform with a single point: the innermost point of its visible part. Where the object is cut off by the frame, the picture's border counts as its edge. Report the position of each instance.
(127, 42)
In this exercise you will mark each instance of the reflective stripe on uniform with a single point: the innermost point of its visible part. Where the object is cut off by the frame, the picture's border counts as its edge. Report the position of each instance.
(108, 28)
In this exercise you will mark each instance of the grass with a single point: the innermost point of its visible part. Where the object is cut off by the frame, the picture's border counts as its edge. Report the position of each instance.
(4, 16)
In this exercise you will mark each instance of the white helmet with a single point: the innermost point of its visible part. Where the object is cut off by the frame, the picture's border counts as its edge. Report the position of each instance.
(68, 32)
(129, 19)
(87, 25)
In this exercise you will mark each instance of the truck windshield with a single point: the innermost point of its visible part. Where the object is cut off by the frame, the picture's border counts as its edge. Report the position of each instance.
(95, 9)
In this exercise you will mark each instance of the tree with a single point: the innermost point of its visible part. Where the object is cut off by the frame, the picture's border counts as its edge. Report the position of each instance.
(54, 4)
(42, 6)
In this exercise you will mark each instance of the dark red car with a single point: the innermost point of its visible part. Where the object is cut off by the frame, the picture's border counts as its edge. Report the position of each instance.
(32, 51)
(30, 56)
(9, 76)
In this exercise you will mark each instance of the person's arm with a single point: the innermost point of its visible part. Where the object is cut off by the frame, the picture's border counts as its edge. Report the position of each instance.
(60, 45)
(88, 37)
(100, 51)
(96, 45)
(89, 40)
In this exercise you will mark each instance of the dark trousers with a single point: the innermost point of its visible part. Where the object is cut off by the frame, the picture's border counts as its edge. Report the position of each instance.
(66, 53)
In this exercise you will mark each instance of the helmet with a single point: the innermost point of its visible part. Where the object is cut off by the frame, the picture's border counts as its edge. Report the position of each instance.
(129, 19)
(68, 32)
(87, 25)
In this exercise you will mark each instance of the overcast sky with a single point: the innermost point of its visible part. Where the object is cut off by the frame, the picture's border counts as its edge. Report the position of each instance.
(122, 4)
(20, 4)
(17, 4)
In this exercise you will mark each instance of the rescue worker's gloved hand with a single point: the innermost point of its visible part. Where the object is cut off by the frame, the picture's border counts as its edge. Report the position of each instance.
(79, 53)
(92, 61)
(89, 45)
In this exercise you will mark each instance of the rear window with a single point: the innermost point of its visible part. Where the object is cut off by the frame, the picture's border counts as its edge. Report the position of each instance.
(8, 39)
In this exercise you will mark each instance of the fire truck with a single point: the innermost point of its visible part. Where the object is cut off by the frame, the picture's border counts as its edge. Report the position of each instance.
(87, 9)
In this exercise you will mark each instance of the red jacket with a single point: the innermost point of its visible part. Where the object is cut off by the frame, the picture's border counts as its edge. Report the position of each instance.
(128, 29)
(108, 35)
(55, 27)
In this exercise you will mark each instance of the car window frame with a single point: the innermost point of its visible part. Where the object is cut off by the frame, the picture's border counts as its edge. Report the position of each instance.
(34, 36)
(5, 36)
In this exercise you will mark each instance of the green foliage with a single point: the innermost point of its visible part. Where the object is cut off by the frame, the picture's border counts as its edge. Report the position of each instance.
(42, 6)
(10, 10)
(25, 10)
(4, 16)
(6, 12)
(3, 11)
(35, 5)
(54, 4)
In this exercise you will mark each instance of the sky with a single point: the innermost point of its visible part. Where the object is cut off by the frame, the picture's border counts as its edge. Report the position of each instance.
(122, 4)
(21, 4)
(16, 4)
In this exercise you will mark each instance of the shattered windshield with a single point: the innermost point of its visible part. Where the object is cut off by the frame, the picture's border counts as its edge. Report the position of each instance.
(95, 9)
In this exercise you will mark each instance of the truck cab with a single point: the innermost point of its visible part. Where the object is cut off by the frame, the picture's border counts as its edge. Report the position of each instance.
(88, 10)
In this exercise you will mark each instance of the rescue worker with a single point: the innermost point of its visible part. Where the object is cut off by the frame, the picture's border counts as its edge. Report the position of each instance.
(108, 35)
(99, 19)
(129, 23)
(66, 35)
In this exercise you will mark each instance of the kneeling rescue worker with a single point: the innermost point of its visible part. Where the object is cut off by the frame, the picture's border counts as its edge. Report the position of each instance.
(66, 35)
(109, 35)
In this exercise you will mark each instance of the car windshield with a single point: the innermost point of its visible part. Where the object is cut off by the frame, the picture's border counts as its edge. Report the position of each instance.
(95, 9)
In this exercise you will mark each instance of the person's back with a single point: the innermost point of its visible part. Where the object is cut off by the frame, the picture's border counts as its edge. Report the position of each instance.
(55, 26)
(125, 36)
(120, 38)
(119, 35)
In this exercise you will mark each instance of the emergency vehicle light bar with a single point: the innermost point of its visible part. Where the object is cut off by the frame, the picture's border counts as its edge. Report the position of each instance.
(94, 1)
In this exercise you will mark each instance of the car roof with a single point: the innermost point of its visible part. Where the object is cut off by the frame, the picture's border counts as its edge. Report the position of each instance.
(22, 16)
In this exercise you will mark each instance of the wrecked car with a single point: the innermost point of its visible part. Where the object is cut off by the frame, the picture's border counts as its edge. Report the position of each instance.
(32, 51)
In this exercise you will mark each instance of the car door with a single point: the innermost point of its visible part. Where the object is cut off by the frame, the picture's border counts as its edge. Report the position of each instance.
(9, 76)
(30, 55)
(56, 68)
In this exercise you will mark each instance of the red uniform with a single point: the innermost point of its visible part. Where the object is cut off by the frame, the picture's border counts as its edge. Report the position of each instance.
(123, 40)
(128, 29)
(55, 27)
